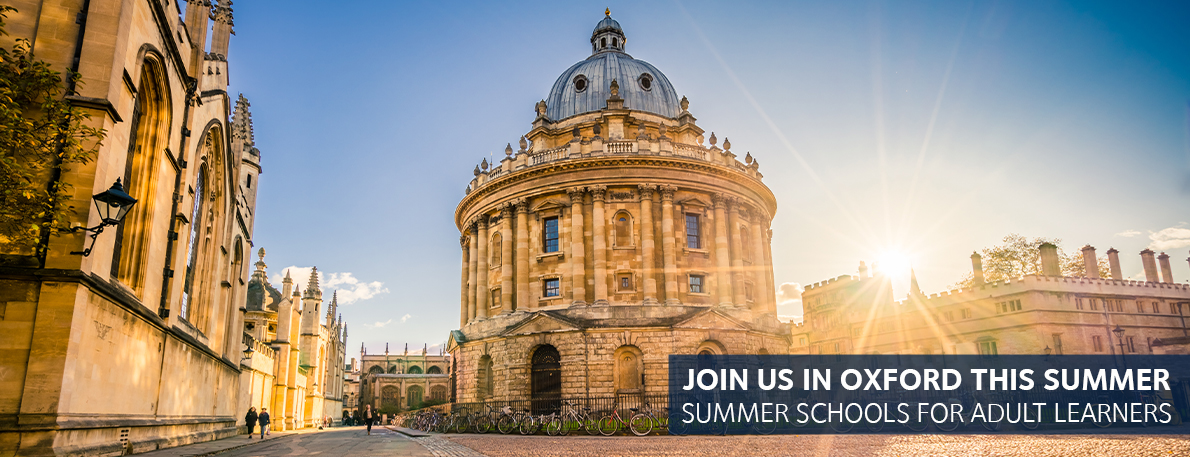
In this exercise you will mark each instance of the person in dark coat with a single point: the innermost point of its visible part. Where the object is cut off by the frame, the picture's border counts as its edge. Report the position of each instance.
(250, 420)
(264, 422)
(368, 418)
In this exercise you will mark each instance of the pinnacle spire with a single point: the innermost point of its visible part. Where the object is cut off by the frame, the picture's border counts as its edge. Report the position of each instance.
(914, 289)
(312, 290)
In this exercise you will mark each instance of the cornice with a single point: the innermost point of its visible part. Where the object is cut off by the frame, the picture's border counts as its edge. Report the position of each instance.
(618, 161)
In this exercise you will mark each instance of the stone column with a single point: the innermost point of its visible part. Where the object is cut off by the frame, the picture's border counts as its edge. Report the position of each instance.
(505, 259)
(1113, 260)
(737, 252)
(760, 297)
(722, 259)
(522, 255)
(473, 274)
(668, 256)
(646, 241)
(599, 243)
(768, 270)
(578, 264)
(1150, 265)
(465, 287)
(481, 284)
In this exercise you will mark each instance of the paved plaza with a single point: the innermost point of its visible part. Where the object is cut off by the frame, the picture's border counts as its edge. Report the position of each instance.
(355, 442)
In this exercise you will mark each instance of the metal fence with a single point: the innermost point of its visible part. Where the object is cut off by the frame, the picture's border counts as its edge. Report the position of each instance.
(553, 404)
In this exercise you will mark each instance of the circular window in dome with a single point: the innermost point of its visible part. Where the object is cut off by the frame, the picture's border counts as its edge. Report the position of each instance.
(646, 81)
(580, 83)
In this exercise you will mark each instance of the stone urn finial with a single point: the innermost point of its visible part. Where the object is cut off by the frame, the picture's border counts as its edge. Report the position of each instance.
(685, 104)
(713, 139)
(476, 172)
(615, 88)
(748, 158)
(726, 144)
(484, 164)
(524, 143)
(508, 150)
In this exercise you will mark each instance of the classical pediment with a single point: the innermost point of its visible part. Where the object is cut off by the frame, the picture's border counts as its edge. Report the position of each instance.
(540, 323)
(711, 319)
(549, 204)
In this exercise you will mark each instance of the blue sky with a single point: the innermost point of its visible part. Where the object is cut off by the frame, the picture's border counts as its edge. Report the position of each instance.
(920, 130)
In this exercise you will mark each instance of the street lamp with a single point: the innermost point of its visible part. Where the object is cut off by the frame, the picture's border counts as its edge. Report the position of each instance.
(247, 352)
(112, 204)
(1119, 331)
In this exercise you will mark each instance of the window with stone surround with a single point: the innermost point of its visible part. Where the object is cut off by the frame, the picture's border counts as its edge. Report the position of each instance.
(693, 231)
(495, 301)
(622, 224)
(549, 234)
(494, 248)
(987, 349)
(624, 282)
(551, 288)
(1097, 343)
(697, 284)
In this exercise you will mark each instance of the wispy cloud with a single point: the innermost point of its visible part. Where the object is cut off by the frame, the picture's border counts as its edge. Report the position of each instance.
(1170, 238)
(1129, 233)
(789, 302)
(349, 288)
(379, 324)
(405, 318)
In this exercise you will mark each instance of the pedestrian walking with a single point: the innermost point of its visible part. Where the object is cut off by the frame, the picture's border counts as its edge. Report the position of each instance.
(368, 418)
(250, 420)
(264, 422)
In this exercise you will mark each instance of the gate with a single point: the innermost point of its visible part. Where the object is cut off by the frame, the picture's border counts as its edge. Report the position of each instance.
(546, 380)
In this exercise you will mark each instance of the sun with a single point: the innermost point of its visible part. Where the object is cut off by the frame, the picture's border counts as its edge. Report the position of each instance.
(894, 263)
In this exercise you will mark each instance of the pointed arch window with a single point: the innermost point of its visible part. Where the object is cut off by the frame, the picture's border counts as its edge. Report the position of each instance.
(184, 310)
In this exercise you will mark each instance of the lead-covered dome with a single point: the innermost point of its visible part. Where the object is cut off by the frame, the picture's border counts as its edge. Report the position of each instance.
(586, 86)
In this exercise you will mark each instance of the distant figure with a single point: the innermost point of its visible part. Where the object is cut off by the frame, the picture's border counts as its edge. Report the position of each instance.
(368, 418)
(250, 420)
(264, 422)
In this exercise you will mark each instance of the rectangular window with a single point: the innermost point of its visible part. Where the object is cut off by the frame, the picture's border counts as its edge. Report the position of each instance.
(1057, 344)
(549, 236)
(693, 234)
(1131, 344)
(802, 341)
(624, 281)
(696, 284)
(1016, 305)
(950, 316)
(1094, 306)
(1097, 343)
(1078, 303)
(748, 291)
(987, 349)
(551, 288)
(495, 301)
(1156, 308)
(965, 313)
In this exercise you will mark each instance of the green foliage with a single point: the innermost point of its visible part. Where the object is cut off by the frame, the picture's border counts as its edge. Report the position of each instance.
(1018, 256)
(41, 135)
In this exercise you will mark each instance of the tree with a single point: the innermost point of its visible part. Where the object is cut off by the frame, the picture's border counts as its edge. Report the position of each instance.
(41, 136)
(1018, 256)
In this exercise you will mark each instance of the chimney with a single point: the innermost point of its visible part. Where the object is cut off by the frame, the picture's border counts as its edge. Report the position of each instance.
(863, 270)
(1150, 264)
(1113, 259)
(1049, 260)
(1090, 262)
(977, 269)
(1166, 270)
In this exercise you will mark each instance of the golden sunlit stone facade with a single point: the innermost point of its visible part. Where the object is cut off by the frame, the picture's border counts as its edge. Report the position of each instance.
(137, 346)
(1035, 314)
(403, 381)
(611, 239)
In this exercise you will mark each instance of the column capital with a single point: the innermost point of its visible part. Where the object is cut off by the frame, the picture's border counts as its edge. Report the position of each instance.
(667, 192)
(522, 205)
(463, 242)
(733, 203)
(576, 195)
(482, 222)
(597, 192)
(506, 210)
(646, 191)
(717, 199)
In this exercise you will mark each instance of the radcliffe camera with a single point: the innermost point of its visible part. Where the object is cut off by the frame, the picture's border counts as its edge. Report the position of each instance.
(677, 228)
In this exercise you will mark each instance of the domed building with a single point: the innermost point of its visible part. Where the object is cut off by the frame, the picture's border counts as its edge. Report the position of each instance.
(611, 239)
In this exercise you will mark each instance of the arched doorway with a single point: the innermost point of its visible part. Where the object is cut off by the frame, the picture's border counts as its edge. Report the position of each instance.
(546, 380)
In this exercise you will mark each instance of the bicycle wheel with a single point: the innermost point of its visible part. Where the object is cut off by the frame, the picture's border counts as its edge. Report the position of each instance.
(460, 424)
(608, 425)
(527, 425)
(506, 424)
(590, 424)
(640, 424)
(765, 428)
(678, 428)
(553, 426)
(564, 425)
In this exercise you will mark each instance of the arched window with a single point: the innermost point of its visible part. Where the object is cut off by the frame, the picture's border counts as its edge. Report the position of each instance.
(622, 224)
(184, 311)
(603, 43)
(390, 397)
(494, 248)
(392, 369)
(630, 369)
(438, 393)
(434, 369)
(746, 243)
(545, 379)
(414, 370)
(147, 141)
(484, 377)
(375, 370)
(413, 396)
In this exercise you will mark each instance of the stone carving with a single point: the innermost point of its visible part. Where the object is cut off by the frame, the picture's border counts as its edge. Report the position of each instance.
(540, 108)
(476, 172)
(576, 195)
(685, 103)
(615, 89)
(646, 190)
(748, 158)
(524, 143)
(484, 165)
(522, 205)
(621, 196)
(713, 139)
(597, 192)
(726, 144)
(508, 150)
(667, 192)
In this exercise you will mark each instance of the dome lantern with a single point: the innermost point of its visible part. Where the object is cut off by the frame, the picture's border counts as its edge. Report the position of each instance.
(608, 36)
